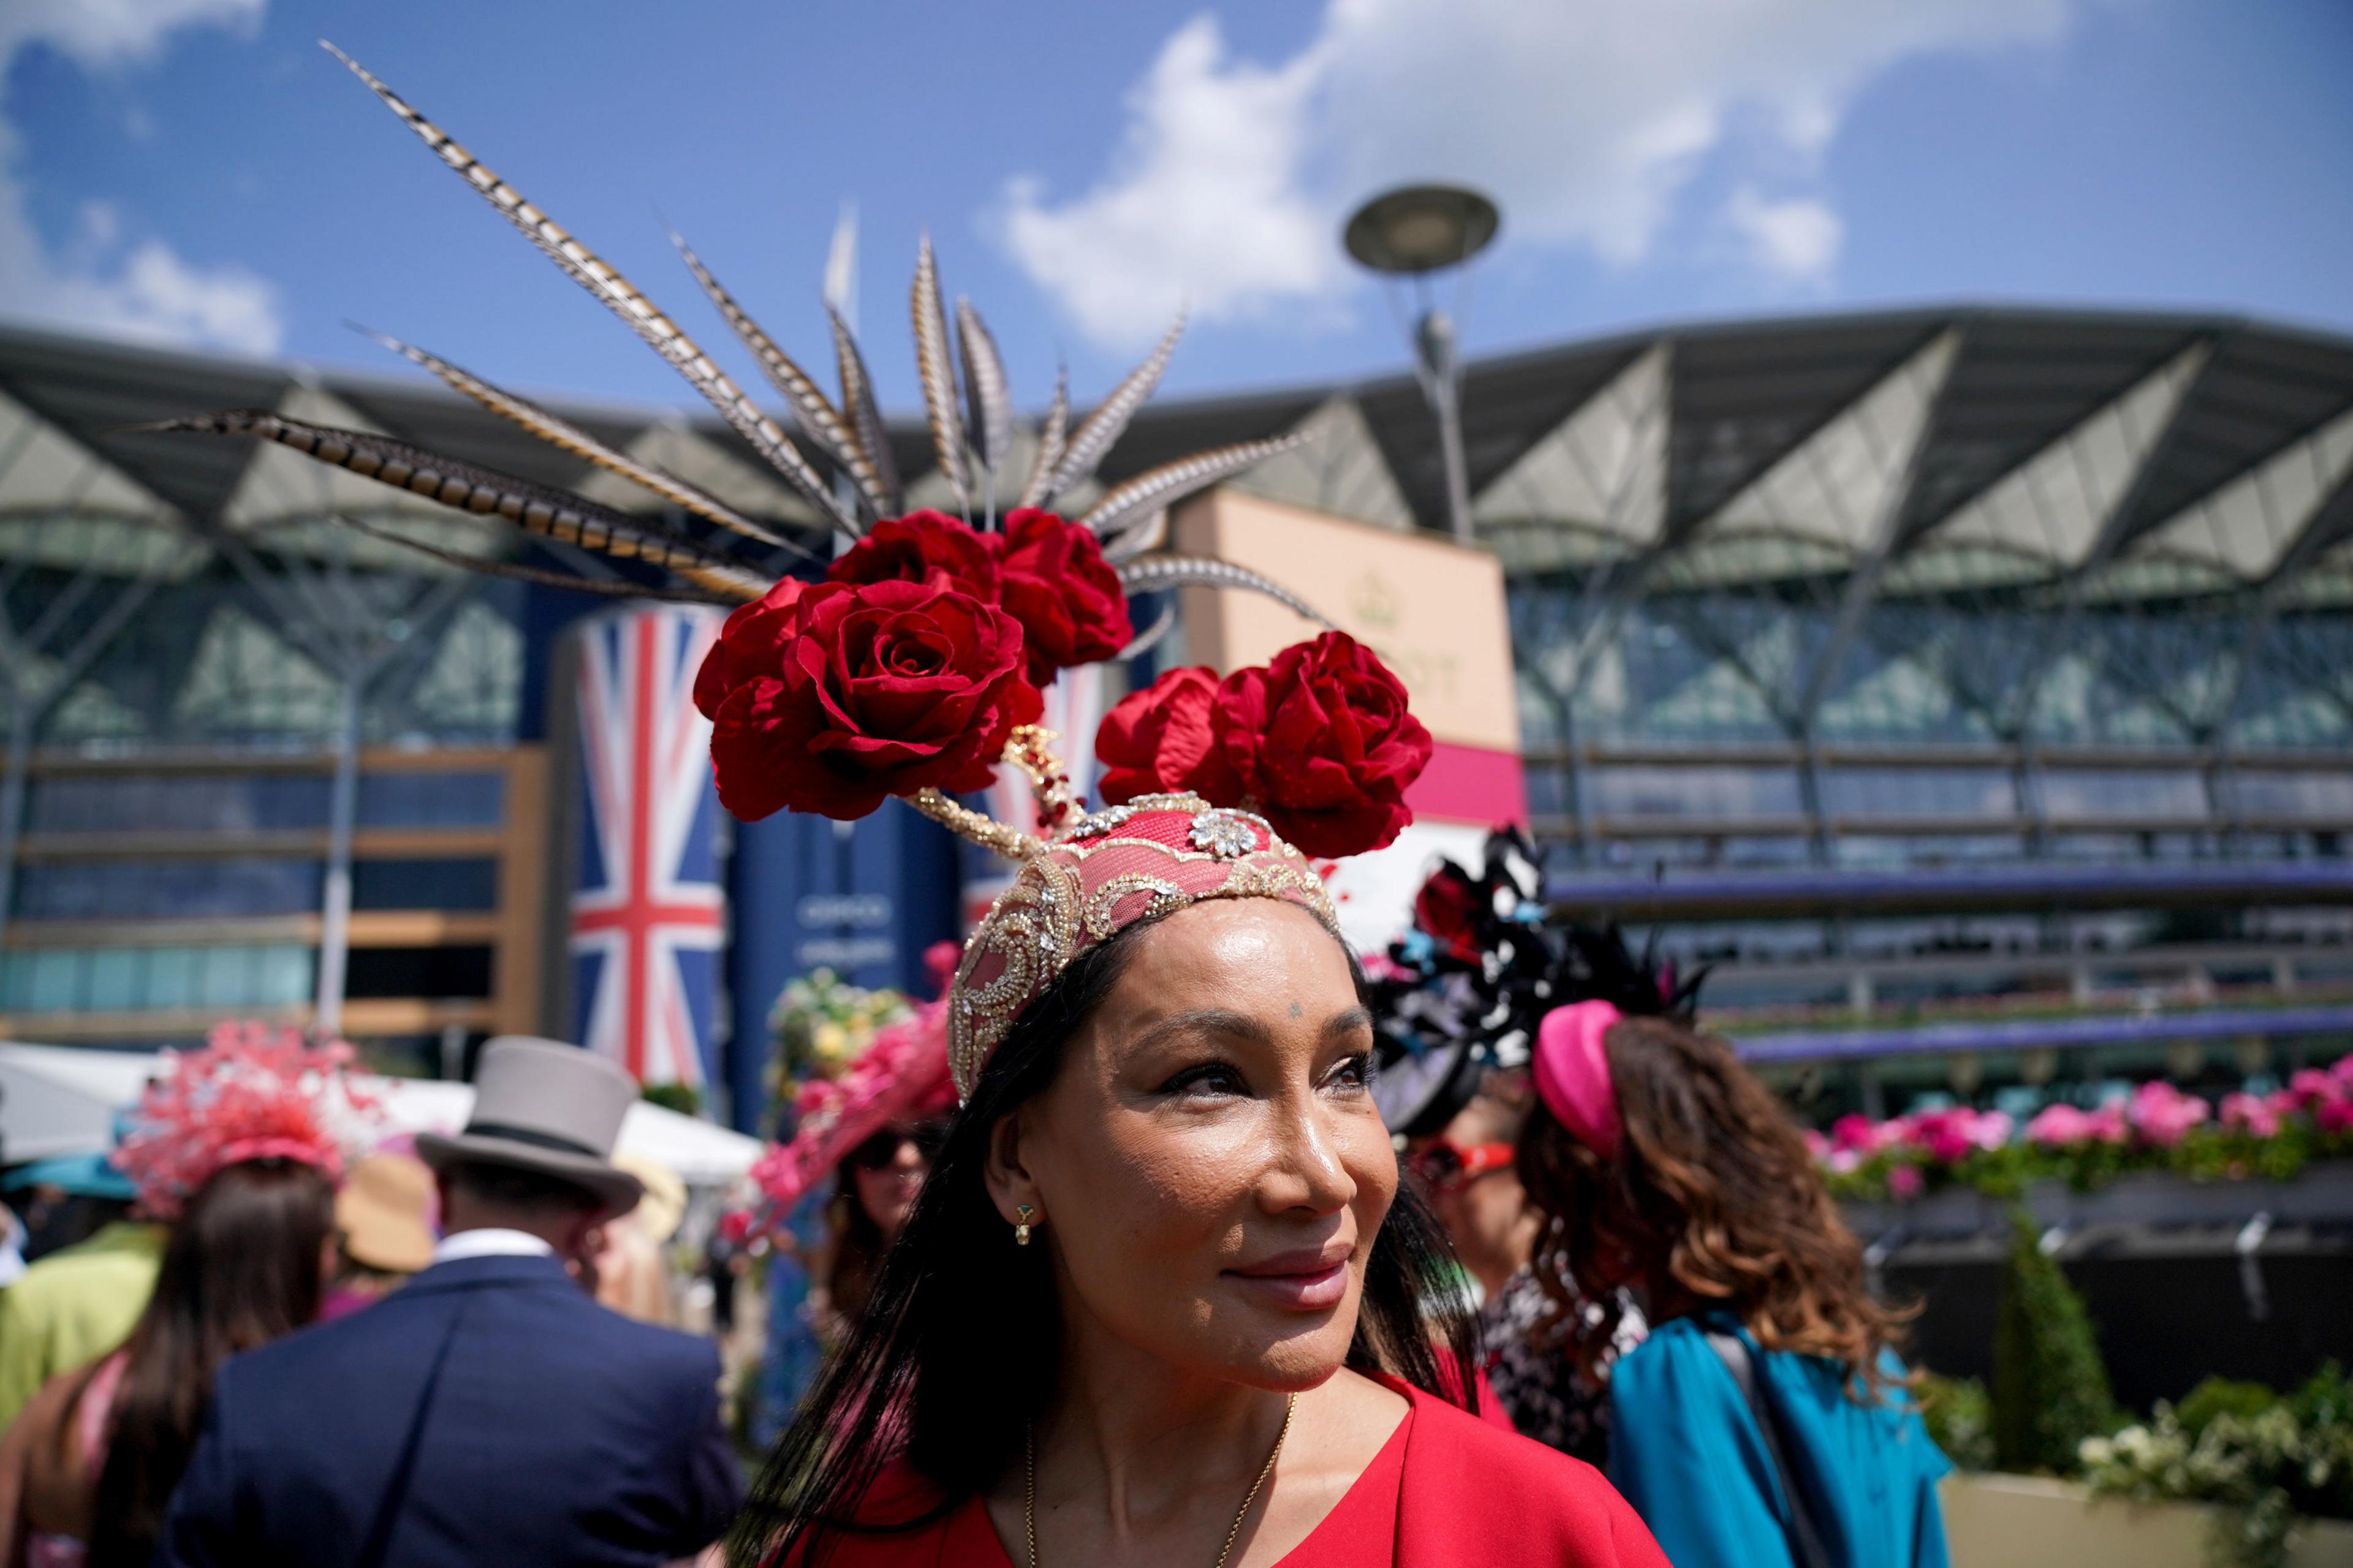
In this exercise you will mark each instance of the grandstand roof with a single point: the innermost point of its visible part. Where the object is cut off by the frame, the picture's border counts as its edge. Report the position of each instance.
(2067, 438)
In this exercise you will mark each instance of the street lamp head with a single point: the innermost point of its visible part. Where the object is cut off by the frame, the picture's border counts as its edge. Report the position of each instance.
(1417, 229)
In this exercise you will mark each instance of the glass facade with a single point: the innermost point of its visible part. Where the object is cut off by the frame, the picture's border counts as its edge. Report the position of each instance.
(1884, 662)
(228, 803)
(143, 979)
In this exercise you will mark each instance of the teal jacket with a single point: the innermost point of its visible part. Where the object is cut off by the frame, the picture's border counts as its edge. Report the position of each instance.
(1686, 1451)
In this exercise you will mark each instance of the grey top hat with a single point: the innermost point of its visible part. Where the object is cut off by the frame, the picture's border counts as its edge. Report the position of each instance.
(543, 1106)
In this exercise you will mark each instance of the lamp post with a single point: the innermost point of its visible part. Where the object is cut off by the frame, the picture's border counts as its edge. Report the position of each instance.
(1417, 232)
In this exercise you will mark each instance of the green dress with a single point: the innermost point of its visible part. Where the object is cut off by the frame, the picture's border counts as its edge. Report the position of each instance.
(72, 1306)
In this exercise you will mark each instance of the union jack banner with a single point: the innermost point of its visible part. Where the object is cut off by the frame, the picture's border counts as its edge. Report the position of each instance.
(648, 914)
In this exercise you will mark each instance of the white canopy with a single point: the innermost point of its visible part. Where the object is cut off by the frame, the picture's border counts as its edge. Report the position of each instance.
(62, 1100)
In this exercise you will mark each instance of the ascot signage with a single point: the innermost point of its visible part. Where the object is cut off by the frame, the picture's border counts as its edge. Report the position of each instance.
(1432, 609)
(1434, 612)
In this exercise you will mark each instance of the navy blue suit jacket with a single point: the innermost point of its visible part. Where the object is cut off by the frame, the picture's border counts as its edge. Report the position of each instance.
(487, 1412)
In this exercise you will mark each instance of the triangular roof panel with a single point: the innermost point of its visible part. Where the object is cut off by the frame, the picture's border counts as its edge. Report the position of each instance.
(1840, 486)
(64, 507)
(2247, 527)
(44, 471)
(2023, 379)
(2058, 506)
(1339, 470)
(1744, 399)
(2266, 389)
(1603, 469)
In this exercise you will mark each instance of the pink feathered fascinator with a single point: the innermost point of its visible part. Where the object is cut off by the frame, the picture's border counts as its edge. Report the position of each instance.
(256, 1091)
(902, 1077)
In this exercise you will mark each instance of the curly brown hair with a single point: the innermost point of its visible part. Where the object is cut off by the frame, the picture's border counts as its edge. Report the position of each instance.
(1713, 1196)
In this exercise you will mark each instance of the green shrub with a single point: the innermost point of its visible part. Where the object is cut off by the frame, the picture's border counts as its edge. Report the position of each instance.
(1959, 1416)
(2221, 1396)
(682, 1097)
(2269, 1462)
(2050, 1387)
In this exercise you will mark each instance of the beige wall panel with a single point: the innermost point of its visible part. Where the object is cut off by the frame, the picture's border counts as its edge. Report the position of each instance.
(1433, 610)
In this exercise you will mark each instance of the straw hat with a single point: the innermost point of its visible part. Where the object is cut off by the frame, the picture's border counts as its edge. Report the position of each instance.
(383, 1212)
(664, 1204)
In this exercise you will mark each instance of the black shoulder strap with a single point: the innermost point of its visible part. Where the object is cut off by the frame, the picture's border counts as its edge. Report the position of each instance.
(1806, 1541)
(395, 1492)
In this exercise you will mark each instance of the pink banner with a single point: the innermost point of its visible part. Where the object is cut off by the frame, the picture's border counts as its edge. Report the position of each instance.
(1471, 784)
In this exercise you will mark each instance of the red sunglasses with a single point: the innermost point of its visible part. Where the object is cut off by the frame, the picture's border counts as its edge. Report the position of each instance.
(1445, 1166)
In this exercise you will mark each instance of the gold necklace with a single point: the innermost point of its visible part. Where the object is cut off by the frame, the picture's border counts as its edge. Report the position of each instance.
(1030, 1486)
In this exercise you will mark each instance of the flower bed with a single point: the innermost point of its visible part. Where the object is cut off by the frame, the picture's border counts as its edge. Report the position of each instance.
(2156, 1128)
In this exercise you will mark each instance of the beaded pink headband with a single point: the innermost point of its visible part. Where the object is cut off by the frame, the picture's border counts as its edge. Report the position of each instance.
(1140, 861)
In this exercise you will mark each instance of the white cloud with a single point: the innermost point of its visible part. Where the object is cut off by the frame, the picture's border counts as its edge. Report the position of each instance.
(1588, 120)
(101, 277)
(101, 35)
(1199, 207)
(1796, 240)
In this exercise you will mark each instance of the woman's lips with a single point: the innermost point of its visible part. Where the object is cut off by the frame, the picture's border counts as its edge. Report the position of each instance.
(1299, 1283)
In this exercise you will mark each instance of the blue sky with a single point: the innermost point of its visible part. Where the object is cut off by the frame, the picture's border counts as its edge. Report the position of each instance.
(198, 170)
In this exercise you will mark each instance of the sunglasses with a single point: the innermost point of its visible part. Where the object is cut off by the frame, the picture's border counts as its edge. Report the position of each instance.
(1445, 1166)
(880, 1152)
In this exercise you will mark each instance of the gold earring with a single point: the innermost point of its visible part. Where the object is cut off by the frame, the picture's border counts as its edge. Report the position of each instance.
(1021, 1231)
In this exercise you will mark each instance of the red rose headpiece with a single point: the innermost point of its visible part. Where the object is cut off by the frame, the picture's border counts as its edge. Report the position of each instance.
(256, 1091)
(913, 669)
(1320, 741)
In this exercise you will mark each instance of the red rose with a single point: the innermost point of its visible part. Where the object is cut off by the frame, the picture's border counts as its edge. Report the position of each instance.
(854, 692)
(919, 547)
(1159, 741)
(1448, 908)
(750, 645)
(1323, 745)
(1065, 595)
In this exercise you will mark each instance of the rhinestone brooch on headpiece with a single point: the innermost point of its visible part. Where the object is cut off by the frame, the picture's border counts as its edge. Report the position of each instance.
(1139, 861)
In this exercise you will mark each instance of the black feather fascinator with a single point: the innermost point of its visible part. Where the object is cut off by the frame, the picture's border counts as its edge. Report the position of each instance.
(1462, 991)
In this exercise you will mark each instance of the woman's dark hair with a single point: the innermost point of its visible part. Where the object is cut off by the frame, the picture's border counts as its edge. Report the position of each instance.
(1713, 1195)
(240, 1268)
(956, 1352)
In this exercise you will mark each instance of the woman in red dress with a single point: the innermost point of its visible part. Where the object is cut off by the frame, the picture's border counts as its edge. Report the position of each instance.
(1163, 1302)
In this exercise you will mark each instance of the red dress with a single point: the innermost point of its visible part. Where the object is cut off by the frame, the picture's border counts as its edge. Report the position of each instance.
(1446, 1490)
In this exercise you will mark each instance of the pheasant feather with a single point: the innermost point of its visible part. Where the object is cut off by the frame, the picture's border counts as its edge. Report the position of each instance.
(866, 416)
(810, 407)
(1156, 489)
(1101, 428)
(987, 395)
(1051, 438)
(937, 375)
(624, 300)
(569, 437)
(1133, 539)
(464, 487)
(1157, 574)
(613, 587)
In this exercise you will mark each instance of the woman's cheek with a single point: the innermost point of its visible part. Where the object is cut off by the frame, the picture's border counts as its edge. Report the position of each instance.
(1372, 1163)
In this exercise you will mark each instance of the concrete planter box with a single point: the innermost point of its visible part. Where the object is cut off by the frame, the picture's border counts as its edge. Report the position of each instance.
(2025, 1521)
